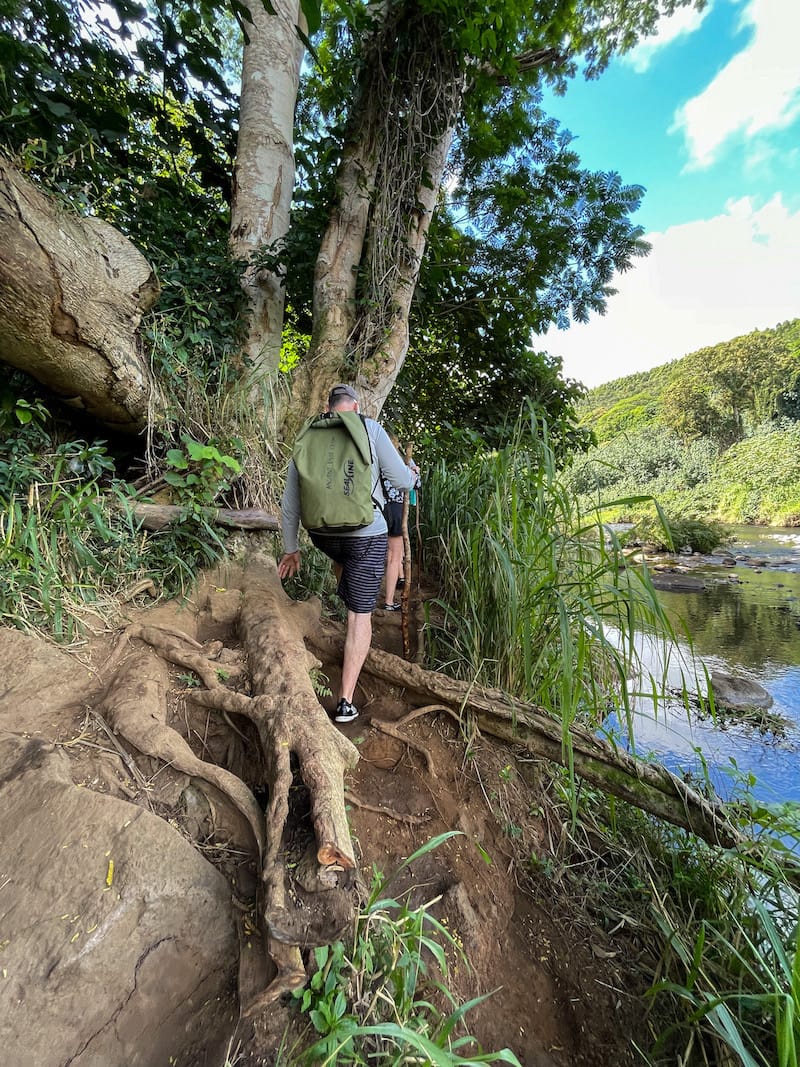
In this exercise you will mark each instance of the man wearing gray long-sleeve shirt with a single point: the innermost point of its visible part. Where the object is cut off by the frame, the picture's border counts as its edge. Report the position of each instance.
(359, 556)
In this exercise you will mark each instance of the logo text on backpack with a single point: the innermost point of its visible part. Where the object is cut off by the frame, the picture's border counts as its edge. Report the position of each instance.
(349, 475)
(329, 465)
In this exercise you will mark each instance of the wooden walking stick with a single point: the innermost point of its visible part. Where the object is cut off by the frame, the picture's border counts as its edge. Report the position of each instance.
(406, 593)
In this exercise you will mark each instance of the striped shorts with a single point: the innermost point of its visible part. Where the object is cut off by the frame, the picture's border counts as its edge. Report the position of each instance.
(363, 562)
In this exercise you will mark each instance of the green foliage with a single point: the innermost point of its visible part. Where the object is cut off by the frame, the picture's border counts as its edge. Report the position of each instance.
(374, 1001)
(533, 593)
(196, 328)
(533, 259)
(647, 463)
(758, 479)
(69, 544)
(199, 473)
(670, 534)
(755, 480)
(628, 415)
(321, 684)
(735, 964)
(135, 124)
(723, 392)
(717, 928)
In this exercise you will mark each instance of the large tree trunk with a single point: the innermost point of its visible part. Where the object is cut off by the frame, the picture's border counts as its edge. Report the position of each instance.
(72, 294)
(399, 136)
(335, 278)
(264, 175)
(380, 367)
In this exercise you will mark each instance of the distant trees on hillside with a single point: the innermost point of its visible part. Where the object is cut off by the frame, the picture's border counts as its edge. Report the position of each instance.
(723, 392)
(714, 435)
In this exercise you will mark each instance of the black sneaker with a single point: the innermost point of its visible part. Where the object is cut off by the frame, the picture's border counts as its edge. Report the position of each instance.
(345, 711)
(392, 607)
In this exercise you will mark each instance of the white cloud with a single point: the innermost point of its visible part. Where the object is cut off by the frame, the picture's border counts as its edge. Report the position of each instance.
(759, 89)
(668, 29)
(704, 282)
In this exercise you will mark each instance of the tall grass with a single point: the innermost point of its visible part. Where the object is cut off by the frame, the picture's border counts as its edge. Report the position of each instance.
(536, 598)
(70, 547)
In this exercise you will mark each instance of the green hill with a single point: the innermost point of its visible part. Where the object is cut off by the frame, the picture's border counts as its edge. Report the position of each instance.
(715, 434)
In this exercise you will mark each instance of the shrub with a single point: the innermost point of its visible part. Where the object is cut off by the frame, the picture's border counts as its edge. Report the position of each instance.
(670, 534)
(372, 1001)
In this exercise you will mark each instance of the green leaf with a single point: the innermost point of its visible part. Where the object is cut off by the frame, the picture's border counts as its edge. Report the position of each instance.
(177, 459)
(318, 1021)
(196, 450)
(312, 9)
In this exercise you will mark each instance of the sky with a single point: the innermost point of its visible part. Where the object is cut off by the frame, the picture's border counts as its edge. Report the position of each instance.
(706, 116)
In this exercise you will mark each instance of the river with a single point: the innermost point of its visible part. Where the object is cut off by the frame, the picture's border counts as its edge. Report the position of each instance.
(746, 623)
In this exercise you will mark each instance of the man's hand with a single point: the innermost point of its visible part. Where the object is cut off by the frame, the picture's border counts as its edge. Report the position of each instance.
(289, 564)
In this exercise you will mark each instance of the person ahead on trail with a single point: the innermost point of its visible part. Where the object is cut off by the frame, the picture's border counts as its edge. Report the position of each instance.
(394, 522)
(358, 551)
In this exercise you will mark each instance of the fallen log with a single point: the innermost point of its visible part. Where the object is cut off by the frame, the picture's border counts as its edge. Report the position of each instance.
(648, 786)
(157, 516)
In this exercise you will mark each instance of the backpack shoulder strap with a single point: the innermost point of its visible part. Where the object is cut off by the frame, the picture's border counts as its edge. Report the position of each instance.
(378, 504)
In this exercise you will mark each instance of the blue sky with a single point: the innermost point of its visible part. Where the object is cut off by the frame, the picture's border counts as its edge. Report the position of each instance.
(706, 116)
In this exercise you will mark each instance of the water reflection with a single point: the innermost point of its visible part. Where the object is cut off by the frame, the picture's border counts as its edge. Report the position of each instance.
(746, 623)
(754, 623)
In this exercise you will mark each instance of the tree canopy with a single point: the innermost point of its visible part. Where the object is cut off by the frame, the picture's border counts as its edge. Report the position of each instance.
(439, 214)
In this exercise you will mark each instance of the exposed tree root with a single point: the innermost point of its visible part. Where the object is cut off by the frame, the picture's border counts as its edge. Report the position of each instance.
(136, 708)
(291, 724)
(390, 813)
(391, 729)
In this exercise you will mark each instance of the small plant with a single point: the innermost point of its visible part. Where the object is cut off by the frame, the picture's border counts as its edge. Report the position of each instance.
(321, 683)
(374, 1003)
(199, 473)
(69, 540)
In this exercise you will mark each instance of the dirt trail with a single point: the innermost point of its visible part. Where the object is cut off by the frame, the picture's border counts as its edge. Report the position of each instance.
(135, 961)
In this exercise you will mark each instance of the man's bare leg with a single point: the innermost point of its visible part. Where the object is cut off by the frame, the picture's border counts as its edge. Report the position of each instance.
(356, 647)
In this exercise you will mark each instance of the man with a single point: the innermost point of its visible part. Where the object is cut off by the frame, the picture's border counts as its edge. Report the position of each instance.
(359, 556)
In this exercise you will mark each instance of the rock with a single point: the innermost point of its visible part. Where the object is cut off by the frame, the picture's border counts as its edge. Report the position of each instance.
(738, 693)
(118, 943)
(677, 582)
(39, 680)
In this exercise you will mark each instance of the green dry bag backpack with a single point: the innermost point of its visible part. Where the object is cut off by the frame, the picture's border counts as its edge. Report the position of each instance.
(333, 457)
